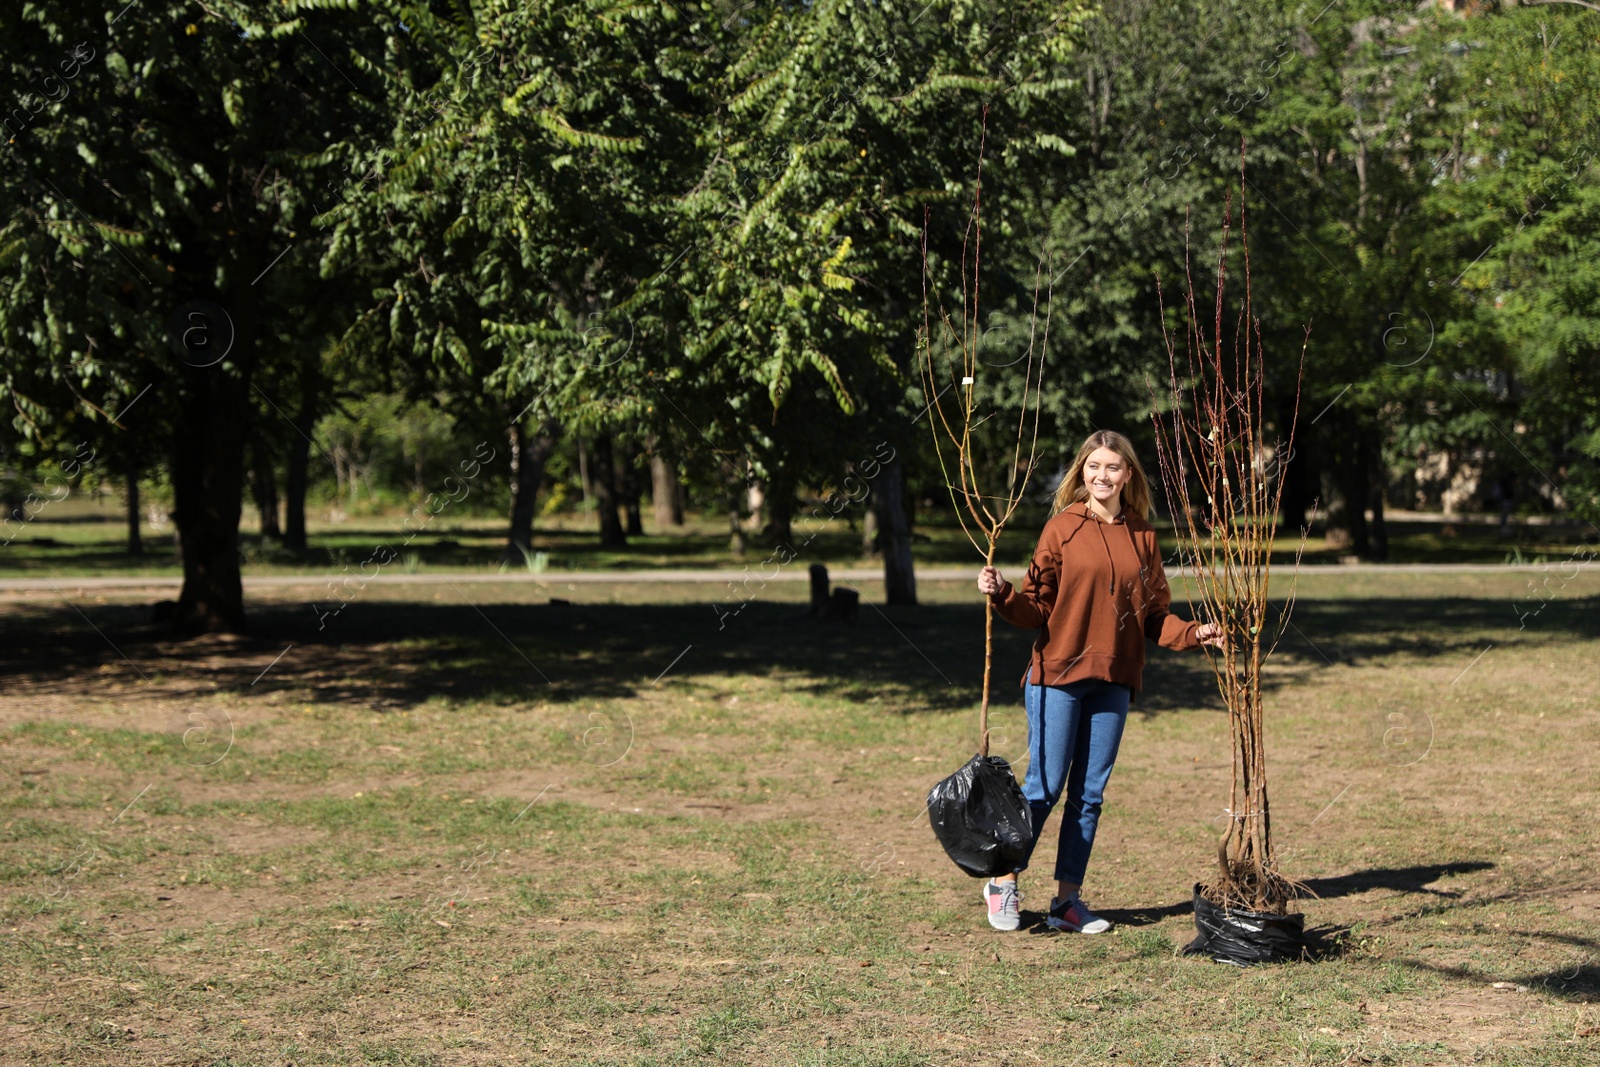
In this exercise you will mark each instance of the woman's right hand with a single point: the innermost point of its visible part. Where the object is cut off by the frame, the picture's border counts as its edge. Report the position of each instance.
(990, 581)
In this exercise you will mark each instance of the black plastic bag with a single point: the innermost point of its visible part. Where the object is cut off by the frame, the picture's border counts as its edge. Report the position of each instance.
(1245, 938)
(981, 817)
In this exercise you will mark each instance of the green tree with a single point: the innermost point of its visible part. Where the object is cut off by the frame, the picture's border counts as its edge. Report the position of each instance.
(1359, 121)
(844, 134)
(1164, 96)
(163, 237)
(541, 140)
(1521, 212)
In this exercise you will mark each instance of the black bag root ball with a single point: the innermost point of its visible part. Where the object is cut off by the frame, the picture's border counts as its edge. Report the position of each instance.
(1245, 938)
(981, 817)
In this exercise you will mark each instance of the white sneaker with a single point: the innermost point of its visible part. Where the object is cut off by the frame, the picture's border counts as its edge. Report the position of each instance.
(1074, 916)
(1002, 898)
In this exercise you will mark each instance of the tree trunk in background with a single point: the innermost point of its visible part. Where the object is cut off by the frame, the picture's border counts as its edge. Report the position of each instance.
(665, 492)
(1372, 454)
(780, 513)
(1379, 536)
(297, 463)
(294, 494)
(899, 577)
(1336, 521)
(1357, 491)
(1345, 482)
(585, 472)
(755, 505)
(736, 538)
(1299, 474)
(208, 490)
(264, 488)
(603, 473)
(632, 490)
(529, 454)
(135, 542)
(869, 528)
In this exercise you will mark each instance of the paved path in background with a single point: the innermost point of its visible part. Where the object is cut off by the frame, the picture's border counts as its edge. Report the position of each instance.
(791, 573)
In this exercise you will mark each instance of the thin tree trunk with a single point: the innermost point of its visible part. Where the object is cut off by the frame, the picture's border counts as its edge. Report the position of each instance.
(1379, 537)
(632, 490)
(780, 511)
(297, 463)
(585, 474)
(1358, 490)
(1299, 473)
(736, 537)
(529, 454)
(665, 493)
(1346, 484)
(135, 542)
(603, 474)
(296, 472)
(755, 505)
(899, 576)
(988, 657)
(264, 488)
(869, 528)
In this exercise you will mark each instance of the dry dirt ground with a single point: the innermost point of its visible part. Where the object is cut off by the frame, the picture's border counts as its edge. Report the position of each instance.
(491, 824)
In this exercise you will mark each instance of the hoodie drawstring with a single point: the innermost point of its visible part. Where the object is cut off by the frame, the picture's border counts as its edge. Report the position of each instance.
(1111, 583)
(1099, 525)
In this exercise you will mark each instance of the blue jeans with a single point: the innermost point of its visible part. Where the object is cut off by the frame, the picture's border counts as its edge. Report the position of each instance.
(1073, 734)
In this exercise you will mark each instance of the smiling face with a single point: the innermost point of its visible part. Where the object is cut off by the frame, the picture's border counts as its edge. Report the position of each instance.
(1104, 474)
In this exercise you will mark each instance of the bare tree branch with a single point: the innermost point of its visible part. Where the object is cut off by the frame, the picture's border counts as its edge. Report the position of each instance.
(959, 342)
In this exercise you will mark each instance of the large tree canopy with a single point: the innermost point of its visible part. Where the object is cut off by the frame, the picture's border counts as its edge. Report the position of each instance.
(161, 233)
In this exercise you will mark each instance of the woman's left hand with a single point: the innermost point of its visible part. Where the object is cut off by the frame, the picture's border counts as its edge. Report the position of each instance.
(1211, 634)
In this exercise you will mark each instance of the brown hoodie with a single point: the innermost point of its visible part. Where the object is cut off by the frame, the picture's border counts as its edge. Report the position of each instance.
(1097, 590)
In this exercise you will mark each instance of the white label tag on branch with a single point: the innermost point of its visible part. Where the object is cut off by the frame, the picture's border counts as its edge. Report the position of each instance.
(967, 380)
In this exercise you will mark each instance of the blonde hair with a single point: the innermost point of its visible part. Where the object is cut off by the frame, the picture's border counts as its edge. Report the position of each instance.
(1135, 494)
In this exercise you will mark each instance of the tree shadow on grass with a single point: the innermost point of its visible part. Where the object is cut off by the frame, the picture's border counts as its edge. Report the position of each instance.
(1402, 879)
(1322, 941)
(1415, 879)
(389, 654)
(1146, 916)
(1579, 983)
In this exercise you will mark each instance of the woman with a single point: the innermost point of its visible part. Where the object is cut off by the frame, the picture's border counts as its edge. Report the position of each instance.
(1097, 591)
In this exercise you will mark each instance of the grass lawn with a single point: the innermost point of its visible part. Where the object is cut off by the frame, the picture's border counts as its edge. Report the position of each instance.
(591, 824)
